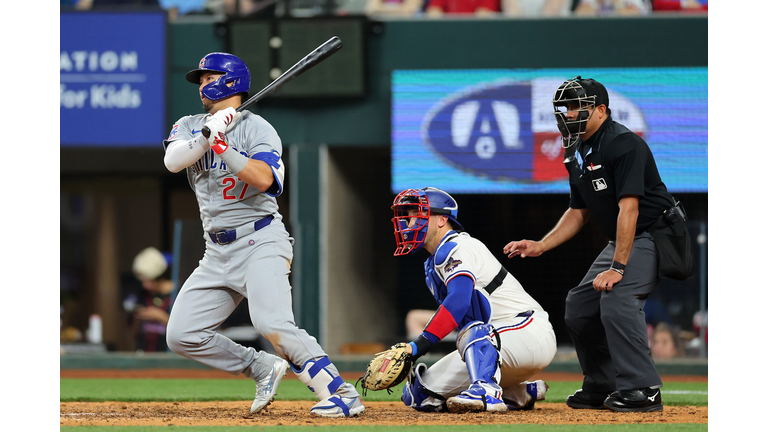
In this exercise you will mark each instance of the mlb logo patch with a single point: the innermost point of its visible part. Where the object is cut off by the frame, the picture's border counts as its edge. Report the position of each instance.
(202, 63)
(599, 184)
(174, 131)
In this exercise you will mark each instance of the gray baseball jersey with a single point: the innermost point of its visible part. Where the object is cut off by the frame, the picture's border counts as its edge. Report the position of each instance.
(255, 265)
(225, 201)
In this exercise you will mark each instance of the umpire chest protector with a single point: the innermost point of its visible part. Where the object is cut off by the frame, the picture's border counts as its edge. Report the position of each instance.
(595, 173)
(592, 178)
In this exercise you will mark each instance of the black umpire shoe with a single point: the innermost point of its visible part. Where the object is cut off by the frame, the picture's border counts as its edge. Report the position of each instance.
(639, 400)
(586, 400)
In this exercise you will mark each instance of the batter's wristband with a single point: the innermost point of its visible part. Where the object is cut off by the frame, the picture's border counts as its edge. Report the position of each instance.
(234, 160)
(618, 265)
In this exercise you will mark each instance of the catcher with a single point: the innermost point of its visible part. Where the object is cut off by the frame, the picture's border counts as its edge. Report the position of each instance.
(505, 336)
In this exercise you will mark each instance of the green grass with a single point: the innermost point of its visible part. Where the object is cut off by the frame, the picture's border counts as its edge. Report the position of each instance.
(172, 390)
(681, 427)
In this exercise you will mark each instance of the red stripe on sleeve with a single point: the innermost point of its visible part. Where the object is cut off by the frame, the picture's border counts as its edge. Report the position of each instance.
(441, 323)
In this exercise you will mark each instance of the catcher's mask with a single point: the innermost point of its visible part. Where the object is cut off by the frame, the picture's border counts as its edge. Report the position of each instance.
(412, 209)
(587, 93)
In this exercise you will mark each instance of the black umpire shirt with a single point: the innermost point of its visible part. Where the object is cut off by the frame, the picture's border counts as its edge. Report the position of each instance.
(612, 163)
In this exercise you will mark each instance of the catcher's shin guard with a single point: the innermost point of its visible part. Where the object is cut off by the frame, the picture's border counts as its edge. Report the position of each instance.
(479, 353)
(320, 376)
(416, 395)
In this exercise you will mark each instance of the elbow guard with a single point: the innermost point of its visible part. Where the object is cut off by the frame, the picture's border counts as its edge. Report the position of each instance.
(181, 154)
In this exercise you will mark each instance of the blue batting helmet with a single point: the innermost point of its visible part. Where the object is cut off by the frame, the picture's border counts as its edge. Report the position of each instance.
(235, 71)
(411, 228)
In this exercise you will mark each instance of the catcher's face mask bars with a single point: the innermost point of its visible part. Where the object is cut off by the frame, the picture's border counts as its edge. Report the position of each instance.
(411, 217)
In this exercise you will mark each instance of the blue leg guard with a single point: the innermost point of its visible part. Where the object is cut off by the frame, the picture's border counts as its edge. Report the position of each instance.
(482, 359)
(417, 396)
(478, 352)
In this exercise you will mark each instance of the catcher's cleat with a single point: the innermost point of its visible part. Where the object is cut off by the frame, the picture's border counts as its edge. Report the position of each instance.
(477, 398)
(586, 400)
(338, 406)
(639, 400)
(537, 390)
(267, 386)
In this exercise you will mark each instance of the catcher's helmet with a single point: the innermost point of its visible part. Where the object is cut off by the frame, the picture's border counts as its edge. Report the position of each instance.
(234, 70)
(411, 229)
(587, 93)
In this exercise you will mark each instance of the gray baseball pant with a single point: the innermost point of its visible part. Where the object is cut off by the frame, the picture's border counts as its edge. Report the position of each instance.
(256, 267)
(608, 328)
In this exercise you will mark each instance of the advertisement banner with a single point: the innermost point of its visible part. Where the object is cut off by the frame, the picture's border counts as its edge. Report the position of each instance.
(494, 131)
(112, 78)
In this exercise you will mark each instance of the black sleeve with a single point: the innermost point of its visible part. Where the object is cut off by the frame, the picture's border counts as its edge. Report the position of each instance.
(576, 202)
(626, 157)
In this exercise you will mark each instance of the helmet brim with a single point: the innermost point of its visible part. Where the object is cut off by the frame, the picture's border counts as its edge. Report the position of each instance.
(193, 76)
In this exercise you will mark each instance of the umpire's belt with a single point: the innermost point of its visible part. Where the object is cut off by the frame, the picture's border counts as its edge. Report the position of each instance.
(228, 236)
(496, 281)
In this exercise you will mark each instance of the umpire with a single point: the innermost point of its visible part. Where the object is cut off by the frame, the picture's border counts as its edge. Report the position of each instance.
(613, 177)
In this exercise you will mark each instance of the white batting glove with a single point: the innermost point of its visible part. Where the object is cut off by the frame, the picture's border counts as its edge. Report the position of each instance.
(219, 122)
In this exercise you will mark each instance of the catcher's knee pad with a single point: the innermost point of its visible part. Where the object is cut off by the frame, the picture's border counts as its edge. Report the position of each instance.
(479, 352)
(416, 395)
(317, 375)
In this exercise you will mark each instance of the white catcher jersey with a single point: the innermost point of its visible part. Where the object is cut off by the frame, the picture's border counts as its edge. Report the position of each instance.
(471, 257)
(225, 201)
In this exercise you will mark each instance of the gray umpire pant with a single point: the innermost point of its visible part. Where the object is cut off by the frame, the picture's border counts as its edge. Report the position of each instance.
(608, 328)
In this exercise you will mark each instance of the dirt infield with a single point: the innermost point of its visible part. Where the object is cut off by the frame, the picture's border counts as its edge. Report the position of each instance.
(296, 413)
(377, 413)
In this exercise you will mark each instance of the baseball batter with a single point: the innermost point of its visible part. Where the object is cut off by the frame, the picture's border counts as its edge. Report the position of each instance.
(236, 174)
(505, 336)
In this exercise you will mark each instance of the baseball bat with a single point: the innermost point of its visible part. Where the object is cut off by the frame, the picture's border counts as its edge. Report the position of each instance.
(308, 62)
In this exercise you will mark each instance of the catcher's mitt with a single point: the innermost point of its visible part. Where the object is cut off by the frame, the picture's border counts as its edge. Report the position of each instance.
(387, 369)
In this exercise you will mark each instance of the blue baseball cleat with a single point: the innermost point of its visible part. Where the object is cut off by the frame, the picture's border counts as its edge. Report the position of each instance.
(477, 398)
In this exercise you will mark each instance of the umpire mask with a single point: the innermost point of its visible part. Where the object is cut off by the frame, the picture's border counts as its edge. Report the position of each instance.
(572, 92)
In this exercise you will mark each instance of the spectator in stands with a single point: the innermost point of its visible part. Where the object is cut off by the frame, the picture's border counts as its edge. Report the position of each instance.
(394, 8)
(178, 8)
(656, 312)
(417, 319)
(666, 342)
(680, 5)
(150, 307)
(536, 8)
(612, 7)
(94, 4)
(480, 8)
(240, 8)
